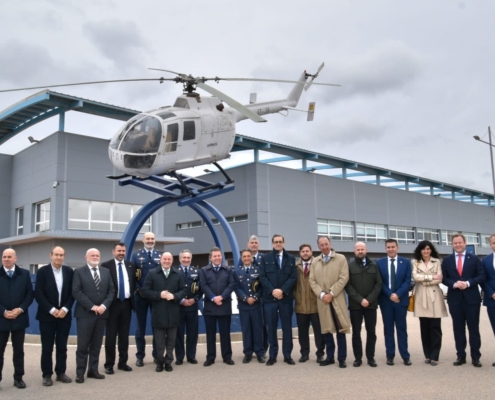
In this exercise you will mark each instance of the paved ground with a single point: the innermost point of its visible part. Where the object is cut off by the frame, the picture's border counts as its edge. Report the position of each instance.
(281, 381)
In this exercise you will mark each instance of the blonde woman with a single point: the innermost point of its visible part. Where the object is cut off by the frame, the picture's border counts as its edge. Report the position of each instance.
(429, 304)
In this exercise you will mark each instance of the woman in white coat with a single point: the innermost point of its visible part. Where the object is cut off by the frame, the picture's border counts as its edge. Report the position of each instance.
(429, 304)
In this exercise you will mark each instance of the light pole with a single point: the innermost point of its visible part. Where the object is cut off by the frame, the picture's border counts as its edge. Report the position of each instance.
(491, 154)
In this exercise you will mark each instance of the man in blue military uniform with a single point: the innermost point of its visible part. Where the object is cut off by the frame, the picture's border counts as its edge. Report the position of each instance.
(278, 276)
(145, 260)
(248, 291)
(188, 311)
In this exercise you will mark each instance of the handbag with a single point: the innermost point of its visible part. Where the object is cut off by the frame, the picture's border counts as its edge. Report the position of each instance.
(410, 307)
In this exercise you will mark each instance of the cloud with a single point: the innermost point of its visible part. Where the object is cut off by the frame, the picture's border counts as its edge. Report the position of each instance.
(119, 41)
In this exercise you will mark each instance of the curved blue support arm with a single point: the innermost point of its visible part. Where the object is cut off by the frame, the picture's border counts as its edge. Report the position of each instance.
(209, 223)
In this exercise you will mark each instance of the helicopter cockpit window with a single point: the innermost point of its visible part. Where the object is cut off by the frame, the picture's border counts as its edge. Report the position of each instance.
(143, 137)
(171, 138)
(189, 130)
(166, 115)
(114, 144)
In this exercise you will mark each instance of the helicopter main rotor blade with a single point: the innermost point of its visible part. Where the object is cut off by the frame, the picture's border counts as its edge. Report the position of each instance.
(269, 80)
(86, 83)
(231, 102)
(167, 70)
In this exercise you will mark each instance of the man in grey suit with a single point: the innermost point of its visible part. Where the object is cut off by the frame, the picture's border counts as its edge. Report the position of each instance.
(93, 289)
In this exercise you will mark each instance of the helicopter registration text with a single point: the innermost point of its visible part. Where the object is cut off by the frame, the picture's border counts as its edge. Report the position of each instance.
(263, 111)
(211, 144)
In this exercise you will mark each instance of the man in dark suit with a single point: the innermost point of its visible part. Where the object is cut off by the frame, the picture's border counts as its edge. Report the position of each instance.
(489, 285)
(53, 293)
(165, 287)
(93, 290)
(278, 276)
(217, 283)
(395, 272)
(462, 273)
(145, 260)
(123, 275)
(188, 311)
(16, 295)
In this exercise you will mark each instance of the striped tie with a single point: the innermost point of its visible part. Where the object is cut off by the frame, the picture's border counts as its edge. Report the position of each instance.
(96, 278)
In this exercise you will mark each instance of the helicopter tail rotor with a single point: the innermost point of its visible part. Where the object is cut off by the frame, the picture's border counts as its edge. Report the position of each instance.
(313, 77)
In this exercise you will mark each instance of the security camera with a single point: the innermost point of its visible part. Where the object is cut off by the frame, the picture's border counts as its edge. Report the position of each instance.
(55, 184)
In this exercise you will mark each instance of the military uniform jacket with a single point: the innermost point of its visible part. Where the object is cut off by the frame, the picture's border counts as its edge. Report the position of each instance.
(193, 289)
(15, 292)
(273, 277)
(145, 264)
(246, 286)
(164, 313)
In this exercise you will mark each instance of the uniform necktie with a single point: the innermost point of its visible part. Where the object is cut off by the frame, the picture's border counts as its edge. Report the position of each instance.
(96, 278)
(185, 272)
(392, 274)
(10, 273)
(306, 269)
(459, 263)
(149, 255)
(247, 270)
(121, 283)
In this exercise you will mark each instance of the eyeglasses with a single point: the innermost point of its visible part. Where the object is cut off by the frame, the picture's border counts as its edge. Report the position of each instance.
(278, 241)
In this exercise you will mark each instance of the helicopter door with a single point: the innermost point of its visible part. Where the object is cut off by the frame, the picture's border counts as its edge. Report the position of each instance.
(188, 143)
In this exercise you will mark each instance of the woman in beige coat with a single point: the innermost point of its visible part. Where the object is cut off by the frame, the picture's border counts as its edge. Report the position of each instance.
(429, 304)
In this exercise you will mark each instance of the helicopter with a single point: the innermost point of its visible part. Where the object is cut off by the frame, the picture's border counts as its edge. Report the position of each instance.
(196, 130)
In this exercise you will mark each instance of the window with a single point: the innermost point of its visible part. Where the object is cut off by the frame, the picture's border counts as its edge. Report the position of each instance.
(447, 237)
(336, 230)
(102, 216)
(171, 138)
(428, 234)
(402, 234)
(371, 232)
(472, 238)
(42, 216)
(485, 240)
(198, 224)
(189, 130)
(19, 217)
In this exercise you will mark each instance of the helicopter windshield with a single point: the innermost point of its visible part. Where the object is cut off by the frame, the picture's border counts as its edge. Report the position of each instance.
(143, 137)
(114, 143)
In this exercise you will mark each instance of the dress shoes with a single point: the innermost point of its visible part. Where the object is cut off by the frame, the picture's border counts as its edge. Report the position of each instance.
(459, 361)
(125, 368)
(357, 363)
(247, 359)
(159, 367)
(63, 378)
(372, 363)
(262, 359)
(80, 379)
(47, 381)
(192, 361)
(155, 360)
(304, 358)
(407, 361)
(271, 361)
(19, 384)
(207, 363)
(95, 375)
(476, 363)
(229, 361)
(493, 365)
(427, 361)
(168, 367)
(328, 361)
(179, 362)
(289, 360)
(109, 371)
(433, 363)
(390, 361)
(320, 359)
(342, 364)
(139, 362)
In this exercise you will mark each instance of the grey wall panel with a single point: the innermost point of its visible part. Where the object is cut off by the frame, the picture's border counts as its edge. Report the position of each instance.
(401, 207)
(334, 198)
(7, 215)
(371, 203)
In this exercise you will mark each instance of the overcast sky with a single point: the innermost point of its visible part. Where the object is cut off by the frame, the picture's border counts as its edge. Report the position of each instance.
(417, 77)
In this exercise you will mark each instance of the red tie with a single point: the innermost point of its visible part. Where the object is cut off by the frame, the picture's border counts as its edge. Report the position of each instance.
(459, 263)
(306, 269)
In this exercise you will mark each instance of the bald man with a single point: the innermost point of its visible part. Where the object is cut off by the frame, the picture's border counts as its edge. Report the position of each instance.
(145, 260)
(16, 295)
(53, 293)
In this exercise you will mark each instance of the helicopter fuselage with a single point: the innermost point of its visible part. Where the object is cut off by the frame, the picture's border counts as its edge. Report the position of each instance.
(194, 131)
